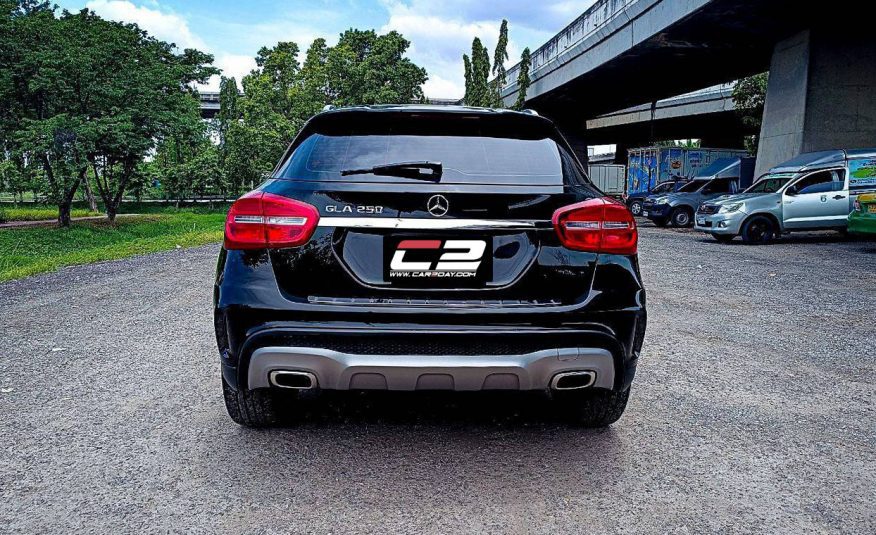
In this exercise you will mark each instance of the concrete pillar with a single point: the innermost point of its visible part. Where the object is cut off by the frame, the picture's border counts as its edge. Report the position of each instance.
(821, 94)
(621, 153)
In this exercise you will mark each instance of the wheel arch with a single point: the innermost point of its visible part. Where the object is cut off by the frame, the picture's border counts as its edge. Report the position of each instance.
(772, 217)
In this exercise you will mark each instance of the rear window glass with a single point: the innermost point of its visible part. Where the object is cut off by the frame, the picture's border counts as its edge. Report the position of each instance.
(466, 156)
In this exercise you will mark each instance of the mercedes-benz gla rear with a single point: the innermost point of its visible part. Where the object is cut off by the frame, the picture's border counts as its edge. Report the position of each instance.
(429, 248)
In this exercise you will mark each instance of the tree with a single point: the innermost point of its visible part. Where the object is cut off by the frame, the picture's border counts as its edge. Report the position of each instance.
(136, 89)
(229, 115)
(14, 178)
(479, 89)
(466, 62)
(523, 79)
(61, 145)
(202, 170)
(38, 95)
(278, 73)
(229, 112)
(102, 104)
(749, 97)
(252, 153)
(311, 93)
(268, 122)
(280, 95)
(478, 93)
(498, 71)
(172, 164)
(685, 143)
(367, 68)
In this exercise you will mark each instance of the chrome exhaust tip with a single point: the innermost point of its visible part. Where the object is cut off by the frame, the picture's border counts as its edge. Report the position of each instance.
(293, 380)
(573, 380)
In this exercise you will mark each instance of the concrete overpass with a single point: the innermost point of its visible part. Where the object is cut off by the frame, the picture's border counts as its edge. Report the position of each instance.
(708, 114)
(623, 53)
(209, 104)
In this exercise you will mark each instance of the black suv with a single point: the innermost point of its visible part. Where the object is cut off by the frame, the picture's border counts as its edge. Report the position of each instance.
(429, 248)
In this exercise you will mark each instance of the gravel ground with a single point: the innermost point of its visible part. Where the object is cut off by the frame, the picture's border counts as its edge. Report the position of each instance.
(753, 411)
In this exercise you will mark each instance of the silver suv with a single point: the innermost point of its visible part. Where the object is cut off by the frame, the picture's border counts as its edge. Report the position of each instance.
(810, 192)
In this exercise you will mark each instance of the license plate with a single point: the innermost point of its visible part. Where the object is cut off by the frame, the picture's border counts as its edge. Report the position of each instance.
(645, 213)
(701, 221)
(871, 208)
(429, 262)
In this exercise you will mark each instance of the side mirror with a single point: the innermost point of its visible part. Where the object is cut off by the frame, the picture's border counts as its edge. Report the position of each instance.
(791, 191)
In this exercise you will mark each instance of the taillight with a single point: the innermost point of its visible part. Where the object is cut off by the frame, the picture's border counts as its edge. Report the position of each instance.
(857, 205)
(601, 225)
(261, 220)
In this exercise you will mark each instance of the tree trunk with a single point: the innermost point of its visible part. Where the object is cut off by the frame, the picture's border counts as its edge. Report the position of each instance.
(104, 185)
(89, 195)
(64, 214)
(67, 200)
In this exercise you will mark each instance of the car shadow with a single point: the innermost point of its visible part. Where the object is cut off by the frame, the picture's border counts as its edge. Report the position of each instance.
(386, 443)
(481, 409)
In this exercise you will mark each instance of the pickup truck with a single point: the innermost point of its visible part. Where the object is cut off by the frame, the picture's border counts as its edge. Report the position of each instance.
(814, 191)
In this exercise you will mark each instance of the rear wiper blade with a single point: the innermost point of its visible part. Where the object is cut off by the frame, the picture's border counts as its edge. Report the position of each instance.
(419, 170)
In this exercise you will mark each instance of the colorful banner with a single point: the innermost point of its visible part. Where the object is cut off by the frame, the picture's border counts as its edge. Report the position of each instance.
(862, 173)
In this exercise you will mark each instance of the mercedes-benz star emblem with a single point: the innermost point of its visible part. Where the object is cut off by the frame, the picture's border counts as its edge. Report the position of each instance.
(438, 205)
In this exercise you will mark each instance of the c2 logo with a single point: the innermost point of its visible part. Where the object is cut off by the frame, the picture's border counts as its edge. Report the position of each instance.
(459, 255)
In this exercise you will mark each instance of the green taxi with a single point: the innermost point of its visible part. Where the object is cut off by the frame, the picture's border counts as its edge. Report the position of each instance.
(862, 220)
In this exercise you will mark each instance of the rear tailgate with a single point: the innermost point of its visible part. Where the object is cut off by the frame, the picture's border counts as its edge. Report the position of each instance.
(477, 232)
(381, 243)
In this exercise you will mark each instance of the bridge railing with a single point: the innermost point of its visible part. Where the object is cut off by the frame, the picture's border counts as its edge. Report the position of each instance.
(600, 13)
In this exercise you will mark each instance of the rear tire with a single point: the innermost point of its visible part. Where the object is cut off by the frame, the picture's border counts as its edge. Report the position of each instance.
(251, 408)
(759, 229)
(593, 408)
(723, 238)
(636, 208)
(682, 217)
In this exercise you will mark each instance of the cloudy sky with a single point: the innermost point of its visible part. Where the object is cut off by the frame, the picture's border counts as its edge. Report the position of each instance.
(440, 31)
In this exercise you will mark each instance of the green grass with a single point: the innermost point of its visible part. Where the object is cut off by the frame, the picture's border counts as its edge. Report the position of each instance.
(38, 213)
(47, 212)
(28, 251)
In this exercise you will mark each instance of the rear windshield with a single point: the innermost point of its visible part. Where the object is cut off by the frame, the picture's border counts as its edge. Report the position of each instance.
(467, 155)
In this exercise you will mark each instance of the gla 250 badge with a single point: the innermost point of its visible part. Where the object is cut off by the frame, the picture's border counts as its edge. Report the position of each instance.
(353, 209)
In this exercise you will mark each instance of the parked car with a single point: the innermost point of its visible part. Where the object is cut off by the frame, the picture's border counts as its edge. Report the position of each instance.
(862, 220)
(809, 192)
(636, 200)
(387, 252)
(720, 178)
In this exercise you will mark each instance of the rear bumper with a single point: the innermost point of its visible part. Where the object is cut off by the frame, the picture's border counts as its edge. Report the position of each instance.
(656, 211)
(348, 355)
(343, 371)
